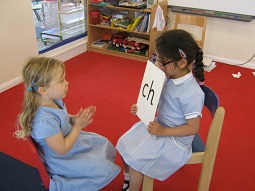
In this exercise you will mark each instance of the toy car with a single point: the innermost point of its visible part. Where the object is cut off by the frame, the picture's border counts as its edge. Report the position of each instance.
(118, 38)
(133, 44)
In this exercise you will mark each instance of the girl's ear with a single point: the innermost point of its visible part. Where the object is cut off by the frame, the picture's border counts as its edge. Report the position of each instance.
(42, 91)
(182, 63)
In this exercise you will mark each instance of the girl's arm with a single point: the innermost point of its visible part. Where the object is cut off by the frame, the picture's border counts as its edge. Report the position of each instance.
(60, 144)
(72, 119)
(190, 128)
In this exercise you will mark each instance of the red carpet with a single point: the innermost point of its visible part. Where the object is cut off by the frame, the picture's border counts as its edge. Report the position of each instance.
(112, 84)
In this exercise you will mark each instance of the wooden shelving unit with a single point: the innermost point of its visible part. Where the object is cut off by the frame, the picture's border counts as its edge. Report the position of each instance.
(94, 31)
(71, 17)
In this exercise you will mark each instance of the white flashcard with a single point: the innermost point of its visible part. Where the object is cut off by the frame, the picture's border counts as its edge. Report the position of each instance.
(151, 87)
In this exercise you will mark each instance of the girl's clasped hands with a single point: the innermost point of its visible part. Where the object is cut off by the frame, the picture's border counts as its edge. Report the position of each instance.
(84, 117)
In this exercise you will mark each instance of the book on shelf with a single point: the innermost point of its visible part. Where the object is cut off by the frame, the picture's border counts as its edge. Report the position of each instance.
(149, 21)
(137, 21)
(144, 29)
(144, 23)
(137, 29)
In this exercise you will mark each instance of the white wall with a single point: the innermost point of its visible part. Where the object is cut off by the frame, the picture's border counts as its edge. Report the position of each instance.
(17, 38)
(244, 7)
(227, 41)
(18, 41)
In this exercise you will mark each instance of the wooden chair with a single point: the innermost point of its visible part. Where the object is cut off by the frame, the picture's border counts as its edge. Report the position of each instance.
(39, 165)
(194, 20)
(204, 154)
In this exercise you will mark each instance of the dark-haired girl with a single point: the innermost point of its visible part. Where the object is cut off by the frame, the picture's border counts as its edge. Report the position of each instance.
(164, 146)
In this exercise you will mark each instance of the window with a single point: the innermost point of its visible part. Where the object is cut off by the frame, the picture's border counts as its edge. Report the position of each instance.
(58, 22)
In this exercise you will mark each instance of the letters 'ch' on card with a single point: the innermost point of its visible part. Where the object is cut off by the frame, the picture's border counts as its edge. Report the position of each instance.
(151, 87)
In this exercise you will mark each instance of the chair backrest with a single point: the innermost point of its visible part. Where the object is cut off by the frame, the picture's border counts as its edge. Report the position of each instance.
(39, 164)
(212, 101)
(195, 20)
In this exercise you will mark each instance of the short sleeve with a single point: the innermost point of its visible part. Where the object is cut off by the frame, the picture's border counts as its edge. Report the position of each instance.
(193, 105)
(46, 128)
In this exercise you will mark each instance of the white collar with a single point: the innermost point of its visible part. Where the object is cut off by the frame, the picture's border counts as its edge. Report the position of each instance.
(183, 79)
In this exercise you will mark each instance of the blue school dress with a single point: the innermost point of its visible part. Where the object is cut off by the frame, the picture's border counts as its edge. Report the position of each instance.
(88, 166)
(161, 156)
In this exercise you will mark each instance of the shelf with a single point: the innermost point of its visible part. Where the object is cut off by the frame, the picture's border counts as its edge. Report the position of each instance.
(50, 40)
(51, 36)
(118, 53)
(119, 8)
(119, 29)
(73, 21)
(71, 10)
(141, 53)
(74, 30)
(52, 32)
(95, 31)
(129, 9)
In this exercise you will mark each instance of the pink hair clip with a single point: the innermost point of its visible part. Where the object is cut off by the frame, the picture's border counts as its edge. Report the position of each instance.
(183, 55)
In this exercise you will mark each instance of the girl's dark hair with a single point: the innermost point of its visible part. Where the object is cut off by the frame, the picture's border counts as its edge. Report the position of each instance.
(170, 42)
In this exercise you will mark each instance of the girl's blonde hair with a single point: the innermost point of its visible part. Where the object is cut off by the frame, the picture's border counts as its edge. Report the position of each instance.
(37, 72)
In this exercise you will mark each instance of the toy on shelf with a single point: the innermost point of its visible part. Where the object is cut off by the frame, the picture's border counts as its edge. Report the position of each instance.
(96, 1)
(99, 43)
(118, 39)
(106, 35)
(128, 43)
(133, 45)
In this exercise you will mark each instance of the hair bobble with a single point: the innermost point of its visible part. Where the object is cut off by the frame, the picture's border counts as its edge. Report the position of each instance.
(182, 54)
(29, 89)
(33, 87)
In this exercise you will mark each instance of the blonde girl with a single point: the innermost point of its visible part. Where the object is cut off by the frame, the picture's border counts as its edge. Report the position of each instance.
(75, 159)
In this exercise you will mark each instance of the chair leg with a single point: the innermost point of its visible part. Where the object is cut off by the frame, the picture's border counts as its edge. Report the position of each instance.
(147, 183)
(211, 150)
(206, 173)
